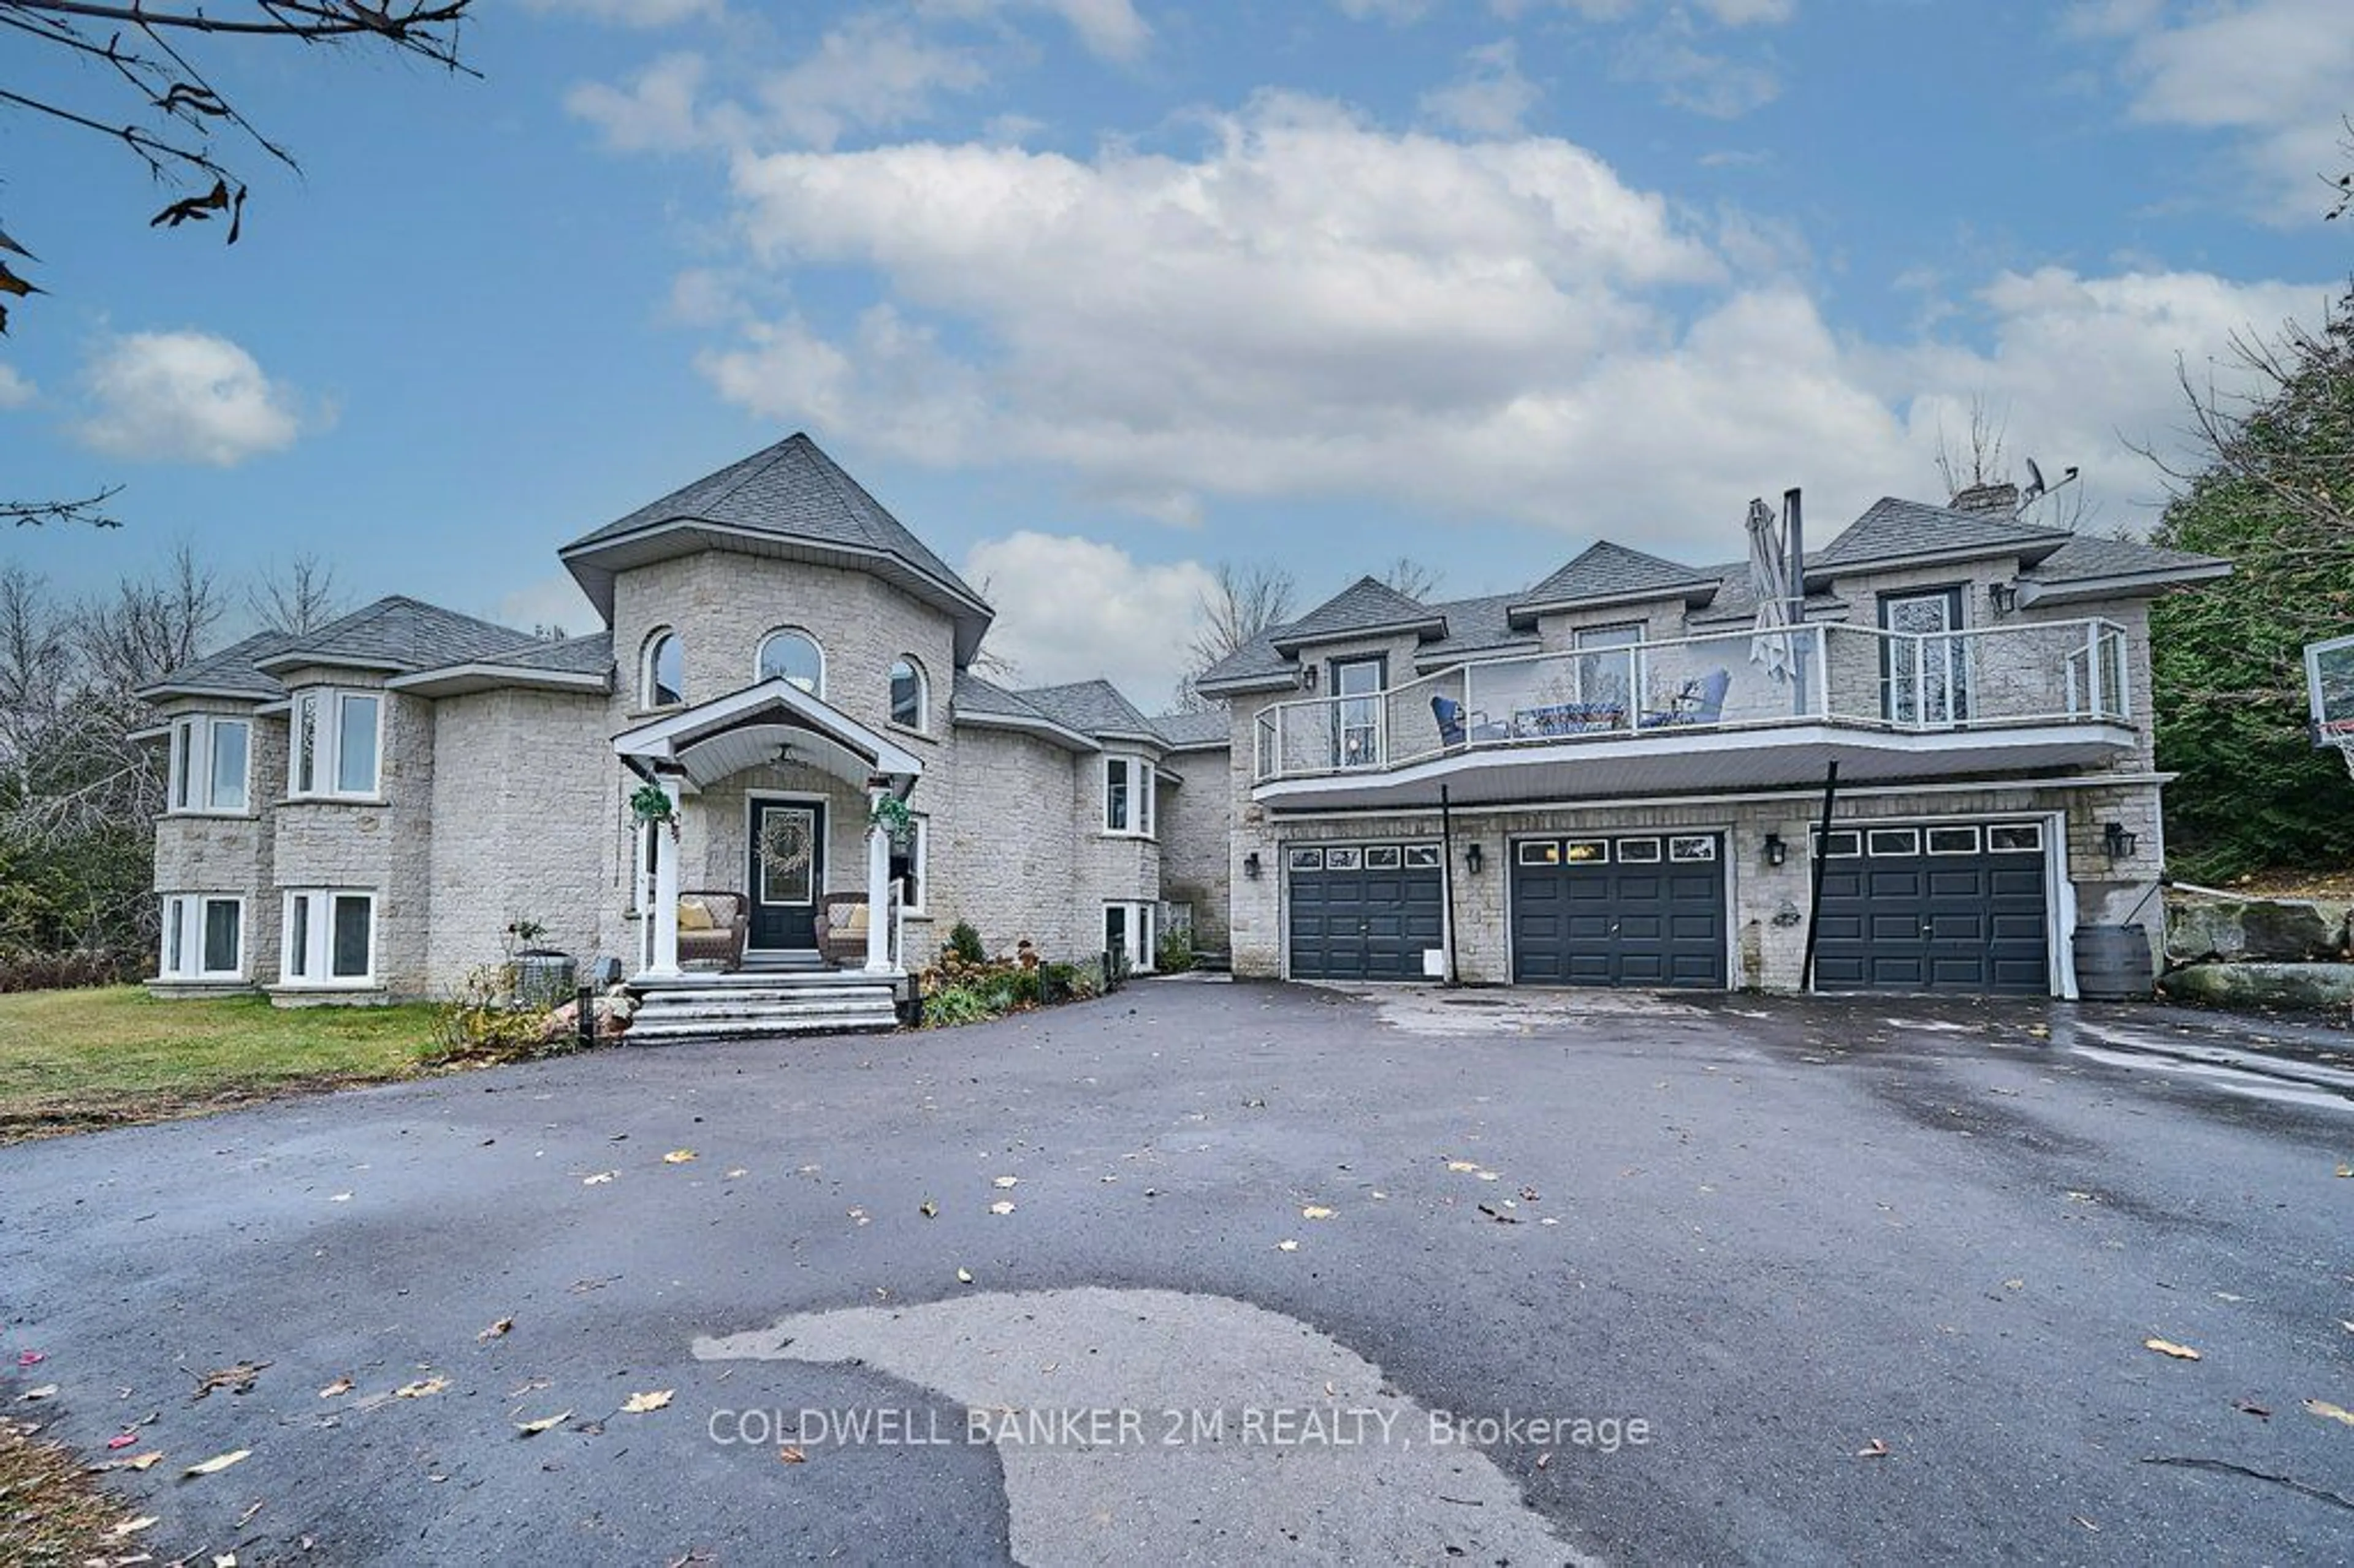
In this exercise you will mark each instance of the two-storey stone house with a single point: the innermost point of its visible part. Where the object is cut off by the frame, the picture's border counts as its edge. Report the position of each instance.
(1614, 779)
(365, 811)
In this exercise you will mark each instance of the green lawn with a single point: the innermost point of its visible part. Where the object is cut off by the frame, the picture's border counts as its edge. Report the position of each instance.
(72, 1060)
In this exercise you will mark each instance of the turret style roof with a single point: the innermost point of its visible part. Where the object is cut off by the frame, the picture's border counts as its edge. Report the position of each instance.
(790, 500)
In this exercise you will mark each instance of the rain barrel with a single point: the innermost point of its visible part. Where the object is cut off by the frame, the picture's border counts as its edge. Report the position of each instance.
(542, 979)
(2112, 963)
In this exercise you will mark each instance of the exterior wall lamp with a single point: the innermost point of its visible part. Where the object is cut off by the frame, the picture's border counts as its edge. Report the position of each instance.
(2117, 842)
(1308, 677)
(1473, 860)
(1776, 851)
(1250, 865)
(2004, 597)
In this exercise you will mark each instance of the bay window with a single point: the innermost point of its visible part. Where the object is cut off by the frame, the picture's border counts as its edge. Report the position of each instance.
(334, 744)
(208, 768)
(204, 937)
(329, 938)
(1128, 796)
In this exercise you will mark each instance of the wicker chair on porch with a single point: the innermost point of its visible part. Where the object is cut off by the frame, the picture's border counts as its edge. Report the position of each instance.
(842, 929)
(726, 920)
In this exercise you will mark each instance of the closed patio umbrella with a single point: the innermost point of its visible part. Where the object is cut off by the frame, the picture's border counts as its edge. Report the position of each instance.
(1769, 579)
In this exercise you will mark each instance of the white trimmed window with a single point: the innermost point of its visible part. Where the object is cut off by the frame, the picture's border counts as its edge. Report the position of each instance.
(335, 741)
(794, 655)
(204, 937)
(661, 671)
(910, 698)
(211, 764)
(329, 938)
(1128, 935)
(911, 865)
(1128, 795)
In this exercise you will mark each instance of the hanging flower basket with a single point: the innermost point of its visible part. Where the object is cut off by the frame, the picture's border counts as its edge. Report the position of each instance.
(891, 814)
(651, 803)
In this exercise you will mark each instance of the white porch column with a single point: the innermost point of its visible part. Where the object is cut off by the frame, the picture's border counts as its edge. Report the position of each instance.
(665, 909)
(878, 887)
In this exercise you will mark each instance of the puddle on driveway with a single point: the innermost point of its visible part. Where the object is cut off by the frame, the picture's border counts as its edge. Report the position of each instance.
(1433, 1010)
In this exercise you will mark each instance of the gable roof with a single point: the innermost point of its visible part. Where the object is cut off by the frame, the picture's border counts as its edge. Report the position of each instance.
(789, 500)
(231, 673)
(1604, 573)
(397, 634)
(1891, 529)
(1367, 605)
(1207, 730)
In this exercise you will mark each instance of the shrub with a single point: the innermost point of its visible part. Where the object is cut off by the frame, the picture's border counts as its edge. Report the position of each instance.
(23, 970)
(965, 943)
(956, 1004)
(1174, 955)
(482, 1021)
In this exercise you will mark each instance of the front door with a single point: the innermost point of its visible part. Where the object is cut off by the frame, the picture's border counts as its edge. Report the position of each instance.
(788, 867)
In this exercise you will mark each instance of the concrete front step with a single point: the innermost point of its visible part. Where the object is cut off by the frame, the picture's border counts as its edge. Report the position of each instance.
(761, 995)
(643, 1032)
(737, 1011)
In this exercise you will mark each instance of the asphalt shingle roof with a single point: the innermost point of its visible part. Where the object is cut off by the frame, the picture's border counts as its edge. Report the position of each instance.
(1253, 660)
(1891, 529)
(1362, 606)
(2086, 556)
(972, 694)
(230, 670)
(404, 634)
(1211, 727)
(591, 655)
(1093, 708)
(1477, 626)
(794, 491)
(1736, 599)
(1606, 570)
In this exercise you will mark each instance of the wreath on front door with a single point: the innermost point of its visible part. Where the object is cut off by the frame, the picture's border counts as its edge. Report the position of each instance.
(786, 843)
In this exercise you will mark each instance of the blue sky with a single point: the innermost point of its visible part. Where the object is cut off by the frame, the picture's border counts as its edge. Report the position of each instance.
(1096, 292)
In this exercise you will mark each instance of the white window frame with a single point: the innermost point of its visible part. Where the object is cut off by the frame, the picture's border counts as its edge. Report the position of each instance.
(919, 856)
(1139, 772)
(184, 928)
(319, 936)
(328, 749)
(761, 657)
(190, 784)
(1141, 919)
(646, 654)
(922, 722)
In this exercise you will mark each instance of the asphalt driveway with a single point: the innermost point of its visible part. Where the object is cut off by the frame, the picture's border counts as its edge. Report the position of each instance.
(1602, 1278)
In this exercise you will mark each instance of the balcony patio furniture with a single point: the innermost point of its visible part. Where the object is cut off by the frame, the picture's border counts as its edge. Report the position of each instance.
(1699, 702)
(1456, 726)
(1567, 718)
(712, 925)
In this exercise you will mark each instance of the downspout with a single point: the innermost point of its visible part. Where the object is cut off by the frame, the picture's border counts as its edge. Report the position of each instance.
(1446, 878)
(1816, 863)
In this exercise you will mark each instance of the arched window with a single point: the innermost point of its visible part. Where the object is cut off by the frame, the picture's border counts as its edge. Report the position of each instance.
(796, 656)
(910, 702)
(663, 683)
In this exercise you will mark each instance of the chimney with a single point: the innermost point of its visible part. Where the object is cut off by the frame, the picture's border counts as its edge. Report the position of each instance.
(1994, 500)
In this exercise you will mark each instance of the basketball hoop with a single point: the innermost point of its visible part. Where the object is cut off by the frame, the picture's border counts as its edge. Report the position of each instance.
(2343, 739)
(2330, 688)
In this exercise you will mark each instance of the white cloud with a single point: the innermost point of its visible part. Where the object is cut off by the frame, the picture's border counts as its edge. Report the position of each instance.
(631, 13)
(185, 397)
(1720, 86)
(15, 390)
(1491, 97)
(2272, 73)
(1110, 28)
(1070, 609)
(656, 113)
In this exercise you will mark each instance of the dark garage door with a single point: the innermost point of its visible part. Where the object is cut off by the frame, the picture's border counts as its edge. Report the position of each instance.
(1645, 911)
(1363, 911)
(1946, 906)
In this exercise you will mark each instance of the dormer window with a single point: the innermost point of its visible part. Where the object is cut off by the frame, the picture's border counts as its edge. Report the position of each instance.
(209, 765)
(910, 700)
(795, 656)
(662, 682)
(1128, 796)
(333, 744)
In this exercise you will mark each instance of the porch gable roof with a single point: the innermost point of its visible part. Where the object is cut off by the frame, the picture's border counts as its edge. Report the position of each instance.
(746, 728)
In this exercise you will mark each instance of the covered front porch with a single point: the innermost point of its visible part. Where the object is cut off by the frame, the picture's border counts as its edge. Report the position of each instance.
(772, 873)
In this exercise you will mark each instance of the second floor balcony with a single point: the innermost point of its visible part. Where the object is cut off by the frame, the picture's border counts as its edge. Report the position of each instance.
(1732, 710)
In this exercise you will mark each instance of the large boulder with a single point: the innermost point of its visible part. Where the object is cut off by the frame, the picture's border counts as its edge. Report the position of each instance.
(2252, 930)
(2299, 988)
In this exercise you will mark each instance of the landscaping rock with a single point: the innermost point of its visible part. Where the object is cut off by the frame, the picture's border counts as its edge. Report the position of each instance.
(2305, 987)
(2257, 931)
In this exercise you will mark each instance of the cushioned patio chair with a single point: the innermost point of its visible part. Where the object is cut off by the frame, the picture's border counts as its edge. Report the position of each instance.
(842, 929)
(712, 925)
(1456, 726)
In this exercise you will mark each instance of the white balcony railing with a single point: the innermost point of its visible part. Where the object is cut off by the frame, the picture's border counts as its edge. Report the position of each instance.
(2047, 672)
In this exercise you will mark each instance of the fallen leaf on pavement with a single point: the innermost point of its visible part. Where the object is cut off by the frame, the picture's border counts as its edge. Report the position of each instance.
(340, 1198)
(1462, 1167)
(47, 1390)
(599, 1179)
(1499, 1215)
(2345, 1170)
(238, 1379)
(2087, 1523)
(217, 1463)
(1315, 1211)
(497, 1329)
(678, 1157)
(1002, 1206)
(144, 1461)
(224, 1559)
(133, 1526)
(739, 1170)
(342, 1385)
(964, 1276)
(791, 1455)
(1875, 1449)
(1545, 1459)
(30, 1357)
(545, 1424)
(1287, 1246)
(1529, 1194)
(1007, 1182)
(639, 1404)
(420, 1388)
(2168, 1348)
(928, 1209)
(2330, 1412)
(122, 1440)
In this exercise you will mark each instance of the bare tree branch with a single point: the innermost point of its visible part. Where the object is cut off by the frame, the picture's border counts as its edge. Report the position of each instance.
(299, 597)
(89, 510)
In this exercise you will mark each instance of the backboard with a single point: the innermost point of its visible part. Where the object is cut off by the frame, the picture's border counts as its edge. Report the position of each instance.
(2330, 686)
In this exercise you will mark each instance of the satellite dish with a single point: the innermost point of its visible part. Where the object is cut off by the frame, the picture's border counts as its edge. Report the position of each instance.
(2035, 485)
